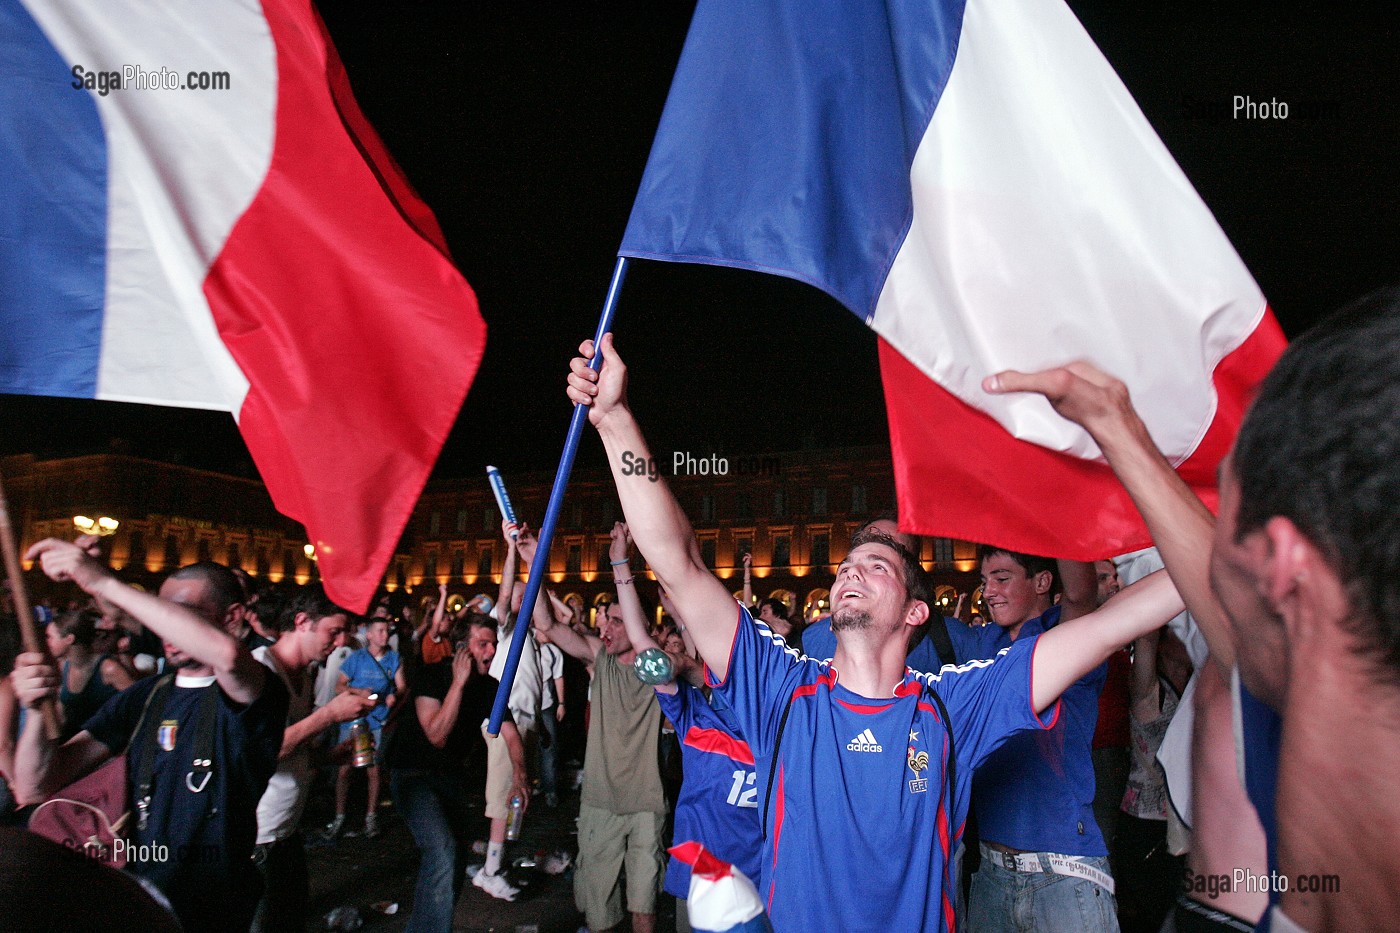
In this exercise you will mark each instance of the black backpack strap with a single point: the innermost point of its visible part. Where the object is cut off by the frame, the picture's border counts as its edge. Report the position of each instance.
(942, 641)
(143, 743)
(952, 748)
(777, 747)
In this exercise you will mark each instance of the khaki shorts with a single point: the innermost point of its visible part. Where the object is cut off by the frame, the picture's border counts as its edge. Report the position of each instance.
(606, 843)
(500, 773)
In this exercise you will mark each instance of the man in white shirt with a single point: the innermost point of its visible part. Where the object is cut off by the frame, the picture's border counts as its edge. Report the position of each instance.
(308, 629)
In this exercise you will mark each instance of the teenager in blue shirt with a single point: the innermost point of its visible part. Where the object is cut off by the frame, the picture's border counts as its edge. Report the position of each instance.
(1044, 862)
(854, 755)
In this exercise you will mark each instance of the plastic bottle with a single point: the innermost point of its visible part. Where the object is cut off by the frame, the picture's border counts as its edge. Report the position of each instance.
(515, 817)
(654, 667)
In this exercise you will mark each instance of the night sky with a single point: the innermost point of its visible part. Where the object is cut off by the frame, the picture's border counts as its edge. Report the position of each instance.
(526, 128)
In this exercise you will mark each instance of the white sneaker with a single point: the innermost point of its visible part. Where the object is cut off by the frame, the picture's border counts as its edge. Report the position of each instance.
(496, 886)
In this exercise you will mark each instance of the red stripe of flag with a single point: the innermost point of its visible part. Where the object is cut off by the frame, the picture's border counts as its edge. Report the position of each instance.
(336, 296)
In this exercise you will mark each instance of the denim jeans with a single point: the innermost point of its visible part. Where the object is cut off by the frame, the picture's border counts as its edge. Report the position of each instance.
(285, 879)
(434, 805)
(1004, 901)
(549, 754)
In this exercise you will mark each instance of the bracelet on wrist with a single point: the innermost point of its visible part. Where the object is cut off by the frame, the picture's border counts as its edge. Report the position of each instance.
(628, 582)
(619, 563)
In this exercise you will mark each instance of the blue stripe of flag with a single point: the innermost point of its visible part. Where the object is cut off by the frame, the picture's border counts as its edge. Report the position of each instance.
(53, 217)
(788, 136)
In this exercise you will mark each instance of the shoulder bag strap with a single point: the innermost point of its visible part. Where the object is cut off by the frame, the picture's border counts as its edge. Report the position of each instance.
(952, 747)
(143, 743)
(942, 641)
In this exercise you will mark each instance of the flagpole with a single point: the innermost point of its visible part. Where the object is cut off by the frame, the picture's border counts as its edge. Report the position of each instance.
(24, 613)
(538, 570)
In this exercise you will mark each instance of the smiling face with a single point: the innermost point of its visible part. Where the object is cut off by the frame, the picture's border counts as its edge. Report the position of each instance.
(1011, 594)
(869, 593)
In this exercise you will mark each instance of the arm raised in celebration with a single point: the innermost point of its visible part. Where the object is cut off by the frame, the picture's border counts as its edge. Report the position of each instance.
(1072, 649)
(1180, 524)
(659, 527)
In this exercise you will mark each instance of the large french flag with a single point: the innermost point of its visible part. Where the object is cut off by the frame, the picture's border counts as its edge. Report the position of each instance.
(252, 249)
(973, 181)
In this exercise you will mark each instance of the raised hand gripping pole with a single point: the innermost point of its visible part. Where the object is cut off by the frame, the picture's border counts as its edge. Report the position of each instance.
(24, 613)
(551, 514)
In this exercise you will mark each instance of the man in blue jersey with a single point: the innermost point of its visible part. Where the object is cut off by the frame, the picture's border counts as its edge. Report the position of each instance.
(955, 643)
(861, 761)
(1297, 588)
(1044, 862)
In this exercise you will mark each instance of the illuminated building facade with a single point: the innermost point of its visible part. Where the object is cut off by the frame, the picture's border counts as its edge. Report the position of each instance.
(795, 512)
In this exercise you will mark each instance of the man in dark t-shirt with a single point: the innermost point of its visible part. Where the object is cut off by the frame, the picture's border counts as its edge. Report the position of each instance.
(195, 841)
(428, 754)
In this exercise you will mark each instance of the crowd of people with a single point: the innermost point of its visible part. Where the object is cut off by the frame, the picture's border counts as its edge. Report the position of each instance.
(1193, 737)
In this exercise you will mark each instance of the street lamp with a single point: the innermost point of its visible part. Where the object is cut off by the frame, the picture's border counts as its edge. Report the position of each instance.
(102, 526)
(310, 551)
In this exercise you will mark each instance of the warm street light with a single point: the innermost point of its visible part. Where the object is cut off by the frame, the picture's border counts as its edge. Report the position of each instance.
(101, 526)
(310, 551)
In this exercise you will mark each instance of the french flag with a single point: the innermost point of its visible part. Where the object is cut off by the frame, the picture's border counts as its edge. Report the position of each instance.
(973, 181)
(194, 212)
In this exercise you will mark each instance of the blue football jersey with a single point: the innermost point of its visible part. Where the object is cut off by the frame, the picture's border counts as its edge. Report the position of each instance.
(718, 801)
(860, 825)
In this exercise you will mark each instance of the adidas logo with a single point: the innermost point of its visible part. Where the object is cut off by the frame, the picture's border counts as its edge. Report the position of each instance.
(865, 742)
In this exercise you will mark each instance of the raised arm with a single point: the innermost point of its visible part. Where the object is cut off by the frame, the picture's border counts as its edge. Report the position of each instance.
(670, 609)
(748, 582)
(1072, 649)
(239, 674)
(1144, 690)
(634, 617)
(1180, 524)
(439, 625)
(581, 646)
(509, 568)
(662, 531)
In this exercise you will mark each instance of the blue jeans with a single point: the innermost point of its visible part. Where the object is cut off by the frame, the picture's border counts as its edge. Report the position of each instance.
(434, 805)
(1004, 901)
(550, 755)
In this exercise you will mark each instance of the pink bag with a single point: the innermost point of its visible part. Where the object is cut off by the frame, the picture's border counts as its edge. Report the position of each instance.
(89, 815)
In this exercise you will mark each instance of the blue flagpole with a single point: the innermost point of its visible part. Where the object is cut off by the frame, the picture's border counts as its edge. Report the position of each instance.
(551, 514)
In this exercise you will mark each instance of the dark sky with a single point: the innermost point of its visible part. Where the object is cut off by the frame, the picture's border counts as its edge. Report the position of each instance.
(526, 127)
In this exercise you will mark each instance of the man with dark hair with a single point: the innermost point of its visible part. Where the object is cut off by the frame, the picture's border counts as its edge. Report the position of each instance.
(623, 808)
(1043, 856)
(939, 641)
(194, 823)
(865, 764)
(428, 757)
(1296, 587)
(308, 630)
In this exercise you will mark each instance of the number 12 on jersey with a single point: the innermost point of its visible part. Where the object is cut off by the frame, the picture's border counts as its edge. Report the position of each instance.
(738, 796)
